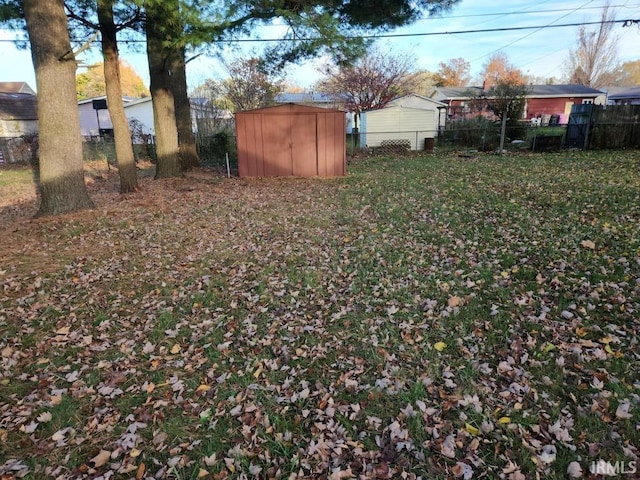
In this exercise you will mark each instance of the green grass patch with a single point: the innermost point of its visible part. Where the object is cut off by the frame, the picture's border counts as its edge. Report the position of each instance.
(419, 315)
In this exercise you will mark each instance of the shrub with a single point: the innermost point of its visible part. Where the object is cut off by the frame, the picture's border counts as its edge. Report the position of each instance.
(478, 133)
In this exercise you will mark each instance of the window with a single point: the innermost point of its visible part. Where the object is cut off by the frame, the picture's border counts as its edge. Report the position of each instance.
(587, 102)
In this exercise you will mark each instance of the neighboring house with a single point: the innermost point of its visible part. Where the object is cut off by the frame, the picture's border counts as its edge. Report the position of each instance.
(624, 96)
(314, 99)
(98, 122)
(16, 87)
(458, 100)
(18, 117)
(141, 110)
(321, 100)
(207, 118)
(18, 114)
(94, 117)
(542, 102)
(412, 118)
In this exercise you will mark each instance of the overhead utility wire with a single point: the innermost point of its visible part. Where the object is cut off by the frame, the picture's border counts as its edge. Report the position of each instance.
(527, 12)
(533, 32)
(625, 23)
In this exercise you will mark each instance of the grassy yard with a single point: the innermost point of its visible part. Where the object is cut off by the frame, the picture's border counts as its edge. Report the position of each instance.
(435, 318)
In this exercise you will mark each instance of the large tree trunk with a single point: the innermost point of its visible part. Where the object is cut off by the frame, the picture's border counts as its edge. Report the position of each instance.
(62, 188)
(121, 133)
(164, 115)
(186, 139)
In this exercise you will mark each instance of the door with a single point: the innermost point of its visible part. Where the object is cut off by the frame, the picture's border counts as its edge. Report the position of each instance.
(304, 151)
(290, 146)
(277, 145)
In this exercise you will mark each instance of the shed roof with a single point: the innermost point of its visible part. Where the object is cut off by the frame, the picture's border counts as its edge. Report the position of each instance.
(18, 106)
(403, 108)
(401, 100)
(290, 108)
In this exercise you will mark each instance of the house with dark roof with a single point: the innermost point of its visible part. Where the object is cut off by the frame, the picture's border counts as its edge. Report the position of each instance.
(16, 87)
(624, 96)
(542, 102)
(18, 114)
(314, 99)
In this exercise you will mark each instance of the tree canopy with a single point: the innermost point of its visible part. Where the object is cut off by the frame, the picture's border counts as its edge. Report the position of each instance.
(627, 74)
(452, 73)
(498, 69)
(91, 83)
(372, 81)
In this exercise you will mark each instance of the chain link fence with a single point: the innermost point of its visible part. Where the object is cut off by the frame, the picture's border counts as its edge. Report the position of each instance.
(595, 128)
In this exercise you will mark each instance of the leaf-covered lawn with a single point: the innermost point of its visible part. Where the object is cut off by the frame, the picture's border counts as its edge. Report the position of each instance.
(435, 318)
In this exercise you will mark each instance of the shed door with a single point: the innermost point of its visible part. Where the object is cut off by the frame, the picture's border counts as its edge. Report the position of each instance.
(290, 145)
(304, 151)
(277, 145)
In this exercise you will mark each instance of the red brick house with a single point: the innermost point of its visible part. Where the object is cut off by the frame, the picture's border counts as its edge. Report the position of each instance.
(543, 101)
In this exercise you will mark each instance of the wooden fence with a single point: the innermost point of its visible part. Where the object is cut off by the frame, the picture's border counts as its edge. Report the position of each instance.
(604, 127)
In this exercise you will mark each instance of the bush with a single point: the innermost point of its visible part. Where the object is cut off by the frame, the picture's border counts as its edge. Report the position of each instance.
(477, 133)
(212, 149)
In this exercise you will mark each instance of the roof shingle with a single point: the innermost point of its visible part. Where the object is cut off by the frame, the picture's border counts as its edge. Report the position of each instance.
(18, 106)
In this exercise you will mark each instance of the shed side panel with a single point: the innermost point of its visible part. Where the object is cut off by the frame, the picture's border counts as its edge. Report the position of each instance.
(335, 143)
(331, 144)
(324, 138)
(417, 125)
(249, 141)
(242, 141)
(339, 155)
(382, 125)
(257, 161)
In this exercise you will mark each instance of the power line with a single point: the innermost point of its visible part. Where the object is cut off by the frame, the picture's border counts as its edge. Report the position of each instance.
(625, 23)
(531, 33)
(520, 12)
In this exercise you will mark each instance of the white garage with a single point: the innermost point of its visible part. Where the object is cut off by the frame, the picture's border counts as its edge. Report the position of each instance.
(408, 119)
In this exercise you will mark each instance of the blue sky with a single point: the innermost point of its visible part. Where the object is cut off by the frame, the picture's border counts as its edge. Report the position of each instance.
(541, 52)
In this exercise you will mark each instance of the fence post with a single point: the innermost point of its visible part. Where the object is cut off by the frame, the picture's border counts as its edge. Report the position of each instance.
(587, 130)
(503, 130)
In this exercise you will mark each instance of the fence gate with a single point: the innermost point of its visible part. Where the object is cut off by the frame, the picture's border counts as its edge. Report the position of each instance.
(579, 125)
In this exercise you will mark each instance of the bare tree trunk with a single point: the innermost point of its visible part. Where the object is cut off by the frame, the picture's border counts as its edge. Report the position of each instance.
(186, 139)
(164, 115)
(62, 188)
(121, 133)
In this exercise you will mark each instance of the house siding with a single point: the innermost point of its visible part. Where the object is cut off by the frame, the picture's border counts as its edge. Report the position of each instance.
(89, 120)
(142, 111)
(398, 123)
(17, 128)
(552, 106)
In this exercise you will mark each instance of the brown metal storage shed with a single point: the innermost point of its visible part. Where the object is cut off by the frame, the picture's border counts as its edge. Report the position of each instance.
(291, 140)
